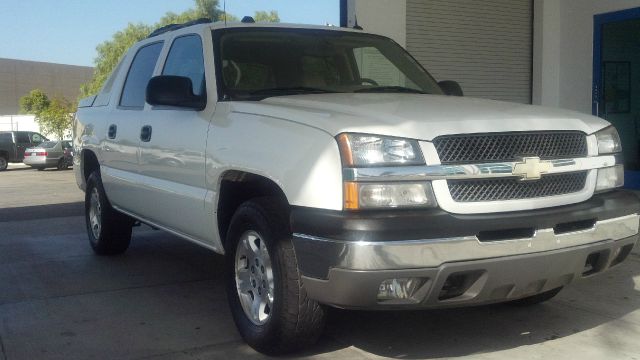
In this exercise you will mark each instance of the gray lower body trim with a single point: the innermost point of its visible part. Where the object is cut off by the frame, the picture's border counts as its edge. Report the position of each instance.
(491, 280)
(192, 239)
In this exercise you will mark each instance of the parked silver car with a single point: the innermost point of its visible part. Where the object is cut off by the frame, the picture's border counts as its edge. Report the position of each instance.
(58, 154)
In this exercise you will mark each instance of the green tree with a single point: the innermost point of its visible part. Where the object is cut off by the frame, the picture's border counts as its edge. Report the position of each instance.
(57, 118)
(111, 51)
(54, 116)
(35, 102)
(267, 16)
(209, 9)
(109, 54)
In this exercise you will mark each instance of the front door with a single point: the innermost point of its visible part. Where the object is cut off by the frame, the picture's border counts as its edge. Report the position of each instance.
(617, 82)
(172, 153)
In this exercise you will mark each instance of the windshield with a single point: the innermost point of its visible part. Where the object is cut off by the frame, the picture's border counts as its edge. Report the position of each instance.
(259, 63)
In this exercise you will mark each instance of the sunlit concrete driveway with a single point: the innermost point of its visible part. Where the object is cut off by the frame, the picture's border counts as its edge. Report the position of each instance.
(164, 299)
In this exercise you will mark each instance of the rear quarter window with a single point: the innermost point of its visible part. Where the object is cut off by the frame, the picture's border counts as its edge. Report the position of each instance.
(6, 137)
(37, 138)
(48, 144)
(105, 94)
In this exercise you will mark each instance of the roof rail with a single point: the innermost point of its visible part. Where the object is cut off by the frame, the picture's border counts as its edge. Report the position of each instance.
(172, 27)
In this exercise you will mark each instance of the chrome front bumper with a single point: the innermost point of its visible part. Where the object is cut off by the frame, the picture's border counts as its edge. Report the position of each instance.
(413, 254)
(501, 270)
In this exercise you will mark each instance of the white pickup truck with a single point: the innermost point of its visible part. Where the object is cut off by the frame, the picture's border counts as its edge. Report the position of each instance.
(332, 170)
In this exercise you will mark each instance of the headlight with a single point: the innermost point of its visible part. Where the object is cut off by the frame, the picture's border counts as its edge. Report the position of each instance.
(360, 150)
(608, 141)
(360, 196)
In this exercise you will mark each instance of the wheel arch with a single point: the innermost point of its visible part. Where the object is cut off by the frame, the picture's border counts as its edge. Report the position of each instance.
(88, 164)
(235, 188)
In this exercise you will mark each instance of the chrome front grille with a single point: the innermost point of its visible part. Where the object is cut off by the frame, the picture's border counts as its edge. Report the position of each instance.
(493, 147)
(515, 189)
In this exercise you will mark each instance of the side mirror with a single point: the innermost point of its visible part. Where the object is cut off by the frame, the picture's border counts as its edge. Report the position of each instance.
(451, 88)
(174, 91)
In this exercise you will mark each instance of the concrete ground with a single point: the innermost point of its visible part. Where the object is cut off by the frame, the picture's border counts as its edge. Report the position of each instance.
(164, 299)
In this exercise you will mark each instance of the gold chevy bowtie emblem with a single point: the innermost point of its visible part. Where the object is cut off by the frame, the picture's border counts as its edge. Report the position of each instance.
(531, 168)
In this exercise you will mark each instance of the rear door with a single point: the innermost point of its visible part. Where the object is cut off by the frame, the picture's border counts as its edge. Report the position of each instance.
(120, 173)
(56, 151)
(22, 143)
(172, 158)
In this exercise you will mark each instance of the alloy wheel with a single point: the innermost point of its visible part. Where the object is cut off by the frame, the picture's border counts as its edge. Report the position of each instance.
(95, 213)
(254, 277)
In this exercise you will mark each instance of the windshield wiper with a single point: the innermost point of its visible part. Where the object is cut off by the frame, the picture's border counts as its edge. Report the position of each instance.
(281, 91)
(390, 89)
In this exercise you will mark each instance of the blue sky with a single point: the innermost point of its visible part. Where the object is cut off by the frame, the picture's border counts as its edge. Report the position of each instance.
(67, 31)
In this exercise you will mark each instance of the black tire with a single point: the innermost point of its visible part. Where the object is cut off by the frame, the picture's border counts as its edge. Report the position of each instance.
(537, 299)
(4, 163)
(295, 321)
(62, 164)
(113, 235)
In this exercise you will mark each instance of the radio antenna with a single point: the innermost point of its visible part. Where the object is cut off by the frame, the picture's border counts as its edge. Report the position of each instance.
(224, 10)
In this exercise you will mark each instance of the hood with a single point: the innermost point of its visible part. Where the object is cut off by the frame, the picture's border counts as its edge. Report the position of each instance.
(422, 117)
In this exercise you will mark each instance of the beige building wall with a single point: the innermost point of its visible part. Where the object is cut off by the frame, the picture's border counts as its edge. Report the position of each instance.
(384, 17)
(18, 77)
(562, 50)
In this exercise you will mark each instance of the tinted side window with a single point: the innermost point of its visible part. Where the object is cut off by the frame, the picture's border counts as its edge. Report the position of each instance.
(6, 137)
(133, 94)
(185, 59)
(22, 137)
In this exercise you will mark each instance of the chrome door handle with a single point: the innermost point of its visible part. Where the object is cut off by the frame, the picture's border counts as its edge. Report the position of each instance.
(113, 131)
(145, 133)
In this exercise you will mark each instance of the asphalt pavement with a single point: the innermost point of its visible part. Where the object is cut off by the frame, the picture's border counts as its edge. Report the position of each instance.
(164, 299)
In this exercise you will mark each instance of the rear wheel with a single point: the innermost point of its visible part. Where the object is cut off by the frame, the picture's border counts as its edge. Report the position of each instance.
(537, 299)
(62, 164)
(109, 230)
(4, 163)
(268, 301)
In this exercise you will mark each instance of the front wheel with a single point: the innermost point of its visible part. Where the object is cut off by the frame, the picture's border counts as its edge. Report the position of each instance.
(109, 230)
(268, 301)
(63, 164)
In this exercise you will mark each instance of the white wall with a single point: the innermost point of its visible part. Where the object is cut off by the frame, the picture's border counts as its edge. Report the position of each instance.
(26, 123)
(384, 17)
(19, 123)
(563, 50)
